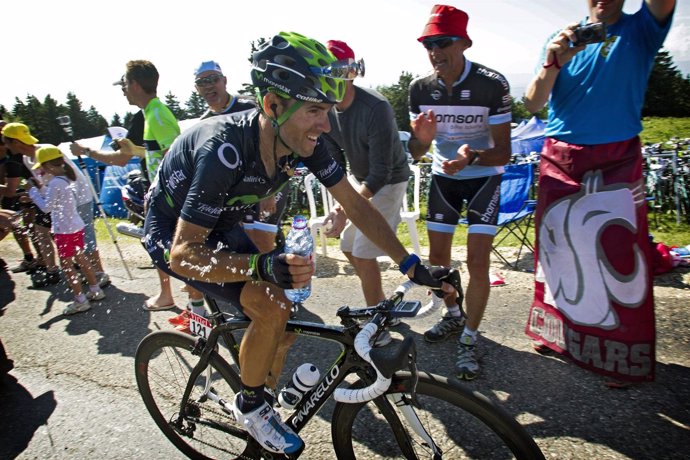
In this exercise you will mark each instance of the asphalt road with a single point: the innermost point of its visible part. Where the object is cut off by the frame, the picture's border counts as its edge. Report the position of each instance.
(72, 393)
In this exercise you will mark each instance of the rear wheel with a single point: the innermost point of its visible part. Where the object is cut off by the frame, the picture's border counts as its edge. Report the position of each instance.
(462, 423)
(164, 362)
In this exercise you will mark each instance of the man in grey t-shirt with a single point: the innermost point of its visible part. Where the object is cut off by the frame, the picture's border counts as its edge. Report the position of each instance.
(363, 125)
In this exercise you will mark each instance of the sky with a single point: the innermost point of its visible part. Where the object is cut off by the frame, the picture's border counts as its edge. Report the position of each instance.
(82, 46)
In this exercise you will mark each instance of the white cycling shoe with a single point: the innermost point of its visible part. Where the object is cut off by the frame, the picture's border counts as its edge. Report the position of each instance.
(266, 427)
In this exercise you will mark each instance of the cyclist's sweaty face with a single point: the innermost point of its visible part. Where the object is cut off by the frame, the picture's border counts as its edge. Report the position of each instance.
(302, 130)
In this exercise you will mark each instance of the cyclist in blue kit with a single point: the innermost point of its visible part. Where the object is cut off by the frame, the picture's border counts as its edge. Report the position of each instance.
(220, 168)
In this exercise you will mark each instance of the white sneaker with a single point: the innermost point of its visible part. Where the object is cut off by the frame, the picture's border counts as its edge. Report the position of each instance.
(435, 303)
(266, 427)
(96, 295)
(76, 307)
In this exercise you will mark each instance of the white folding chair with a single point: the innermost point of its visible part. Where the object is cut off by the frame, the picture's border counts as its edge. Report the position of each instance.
(410, 216)
(316, 220)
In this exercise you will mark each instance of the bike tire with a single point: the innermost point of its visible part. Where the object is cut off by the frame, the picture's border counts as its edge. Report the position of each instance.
(163, 364)
(463, 423)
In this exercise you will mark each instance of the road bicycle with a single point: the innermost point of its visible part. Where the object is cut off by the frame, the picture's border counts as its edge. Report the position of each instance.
(383, 403)
(667, 178)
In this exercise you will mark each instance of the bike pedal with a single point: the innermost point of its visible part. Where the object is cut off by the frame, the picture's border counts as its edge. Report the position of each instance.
(296, 454)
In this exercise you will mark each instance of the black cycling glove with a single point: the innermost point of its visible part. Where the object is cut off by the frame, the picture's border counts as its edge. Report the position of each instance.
(424, 276)
(271, 267)
(449, 275)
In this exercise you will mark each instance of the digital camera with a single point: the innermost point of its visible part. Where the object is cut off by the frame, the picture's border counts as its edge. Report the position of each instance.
(590, 33)
(114, 145)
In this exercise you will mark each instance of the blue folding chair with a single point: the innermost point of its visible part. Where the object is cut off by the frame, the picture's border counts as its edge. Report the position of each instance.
(516, 210)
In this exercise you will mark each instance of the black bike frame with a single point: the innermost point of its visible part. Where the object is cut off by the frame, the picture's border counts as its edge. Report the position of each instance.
(346, 363)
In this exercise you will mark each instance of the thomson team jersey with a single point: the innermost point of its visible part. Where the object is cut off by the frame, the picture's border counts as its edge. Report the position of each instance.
(480, 98)
(213, 174)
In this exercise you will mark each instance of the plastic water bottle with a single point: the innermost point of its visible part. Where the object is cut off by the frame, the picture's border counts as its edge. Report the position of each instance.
(300, 242)
(303, 380)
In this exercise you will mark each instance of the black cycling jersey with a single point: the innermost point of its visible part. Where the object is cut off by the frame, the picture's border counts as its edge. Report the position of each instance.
(213, 173)
(14, 168)
(236, 105)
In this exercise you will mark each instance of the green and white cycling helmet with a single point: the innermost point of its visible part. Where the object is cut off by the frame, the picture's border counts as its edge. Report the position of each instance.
(295, 66)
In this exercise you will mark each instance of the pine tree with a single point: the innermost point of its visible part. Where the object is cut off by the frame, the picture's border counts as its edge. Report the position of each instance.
(667, 91)
(128, 119)
(116, 121)
(195, 105)
(80, 123)
(174, 106)
(97, 124)
(48, 130)
(398, 95)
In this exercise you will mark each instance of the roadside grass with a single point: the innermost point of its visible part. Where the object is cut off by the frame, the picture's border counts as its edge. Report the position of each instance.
(667, 231)
(102, 234)
(656, 129)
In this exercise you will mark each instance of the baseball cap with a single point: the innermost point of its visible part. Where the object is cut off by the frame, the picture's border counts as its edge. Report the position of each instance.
(207, 66)
(46, 153)
(340, 50)
(20, 132)
(446, 20)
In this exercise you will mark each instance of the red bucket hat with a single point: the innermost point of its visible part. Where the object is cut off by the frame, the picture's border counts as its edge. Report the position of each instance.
(340, 50)
(446, 20)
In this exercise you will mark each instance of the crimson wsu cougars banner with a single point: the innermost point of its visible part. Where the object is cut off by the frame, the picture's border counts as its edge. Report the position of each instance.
(593, 297)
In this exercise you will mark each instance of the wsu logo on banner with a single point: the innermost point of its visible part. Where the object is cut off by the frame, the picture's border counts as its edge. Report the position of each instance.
(576, 273)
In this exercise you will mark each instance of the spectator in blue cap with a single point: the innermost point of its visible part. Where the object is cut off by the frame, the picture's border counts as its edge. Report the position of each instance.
(211, 84)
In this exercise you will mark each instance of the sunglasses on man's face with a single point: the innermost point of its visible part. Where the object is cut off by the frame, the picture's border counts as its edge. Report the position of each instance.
(208, 81)
(440, 42)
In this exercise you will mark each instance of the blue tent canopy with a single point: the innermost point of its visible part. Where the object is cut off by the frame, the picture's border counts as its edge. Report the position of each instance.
(528, 137)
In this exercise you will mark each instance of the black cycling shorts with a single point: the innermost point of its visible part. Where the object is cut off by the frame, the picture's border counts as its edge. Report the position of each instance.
(159, 233)
(446, 198)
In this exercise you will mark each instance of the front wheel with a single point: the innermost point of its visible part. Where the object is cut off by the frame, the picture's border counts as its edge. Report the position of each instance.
(164, 362)
(459, 423)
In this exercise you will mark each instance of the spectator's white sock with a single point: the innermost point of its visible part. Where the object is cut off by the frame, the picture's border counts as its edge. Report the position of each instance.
(469, 333)
(454, 311)
(81, 298)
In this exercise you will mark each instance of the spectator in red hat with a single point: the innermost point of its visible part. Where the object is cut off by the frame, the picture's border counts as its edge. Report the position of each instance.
(462, 113)
(363, 125)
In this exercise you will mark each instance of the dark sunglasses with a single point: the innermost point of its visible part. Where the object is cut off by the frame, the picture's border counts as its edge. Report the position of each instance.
(440, 42)
(208, 81)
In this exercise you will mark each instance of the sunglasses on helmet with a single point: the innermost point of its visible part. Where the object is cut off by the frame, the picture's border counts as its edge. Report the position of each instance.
(346, 69)
(440, 42)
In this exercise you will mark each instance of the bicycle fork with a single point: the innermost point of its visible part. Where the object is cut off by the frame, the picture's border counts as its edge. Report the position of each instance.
(406, 405)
